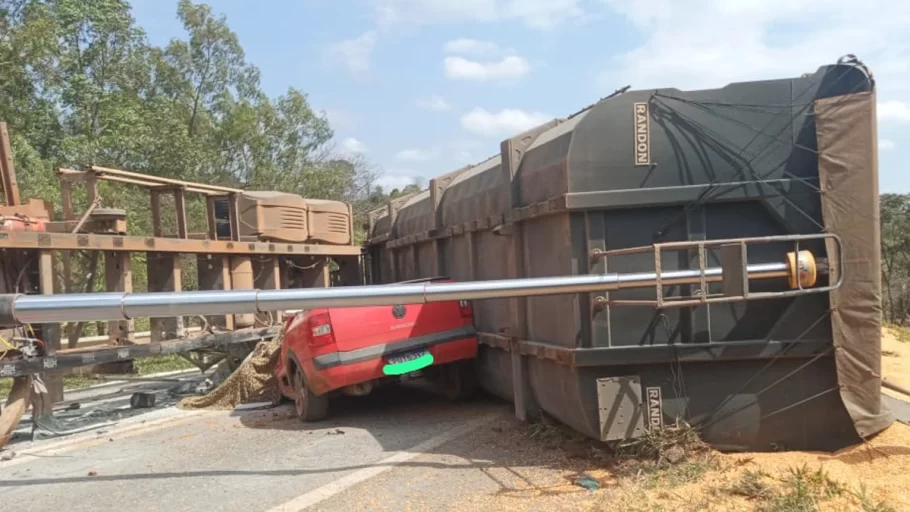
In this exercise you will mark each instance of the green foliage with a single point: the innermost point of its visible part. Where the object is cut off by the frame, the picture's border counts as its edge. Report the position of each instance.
(895, 222)
(161, 364)
(80, 84)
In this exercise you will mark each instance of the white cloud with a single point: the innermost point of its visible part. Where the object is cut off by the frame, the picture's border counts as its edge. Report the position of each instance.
(353, 145)
(503, 123)
(542, 14)
(535, 14)
(893, 110)
(886, 144)
(434, 103)
(472, 47)
(709, 43)
(355, 53)
(415, 155)
(509, 68)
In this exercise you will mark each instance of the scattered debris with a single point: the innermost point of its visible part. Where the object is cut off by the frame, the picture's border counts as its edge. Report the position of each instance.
(73, 406)
(6, 455)
(221, 373)
(204, 387)
(254, 381)
(92, 473)
(336, 432)
(674, 454)
(142, 400)
(253, 406)
(588, 483)
(188, 388)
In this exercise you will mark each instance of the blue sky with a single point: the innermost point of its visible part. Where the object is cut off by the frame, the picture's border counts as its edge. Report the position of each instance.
(422, 87)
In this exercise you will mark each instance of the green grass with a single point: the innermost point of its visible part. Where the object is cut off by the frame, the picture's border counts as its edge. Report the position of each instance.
(161, 364)
(868, 504)
(900, 332)
(70, 383)
(752, 485)
(5, 386)
(666, 458)
(801, 490)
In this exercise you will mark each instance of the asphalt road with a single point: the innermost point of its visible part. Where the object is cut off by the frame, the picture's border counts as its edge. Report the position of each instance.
(250, 460)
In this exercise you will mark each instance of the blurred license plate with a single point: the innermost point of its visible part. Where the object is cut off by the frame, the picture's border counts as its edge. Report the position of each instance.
(407, 357)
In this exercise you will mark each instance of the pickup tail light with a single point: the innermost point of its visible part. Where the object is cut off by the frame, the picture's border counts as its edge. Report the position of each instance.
(320, 326)
(465, 309)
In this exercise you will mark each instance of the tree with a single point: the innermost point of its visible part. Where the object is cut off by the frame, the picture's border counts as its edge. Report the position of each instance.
(895, 226)
(81, 84)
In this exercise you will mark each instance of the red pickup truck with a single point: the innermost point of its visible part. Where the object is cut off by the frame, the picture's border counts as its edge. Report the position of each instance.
(351, 350)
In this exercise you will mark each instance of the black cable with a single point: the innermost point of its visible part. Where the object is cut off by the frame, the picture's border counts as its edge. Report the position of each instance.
(770, 363)
(705, 194)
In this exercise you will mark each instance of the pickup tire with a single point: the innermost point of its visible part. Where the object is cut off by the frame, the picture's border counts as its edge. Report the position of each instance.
(309, 407)
(458, 381)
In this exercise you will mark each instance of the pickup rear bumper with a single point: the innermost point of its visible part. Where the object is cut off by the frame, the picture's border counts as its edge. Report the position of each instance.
(333, 359)
(337, 370)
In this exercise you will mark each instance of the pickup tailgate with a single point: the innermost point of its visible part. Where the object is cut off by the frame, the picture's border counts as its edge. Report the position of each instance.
(357, 328)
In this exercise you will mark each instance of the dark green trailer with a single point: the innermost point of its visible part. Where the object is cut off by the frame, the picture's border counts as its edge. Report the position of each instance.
(758, 159)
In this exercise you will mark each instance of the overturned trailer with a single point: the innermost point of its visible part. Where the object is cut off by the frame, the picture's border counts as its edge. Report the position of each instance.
(755, 159)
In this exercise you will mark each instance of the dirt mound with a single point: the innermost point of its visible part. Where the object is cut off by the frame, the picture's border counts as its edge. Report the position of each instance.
(253, 381)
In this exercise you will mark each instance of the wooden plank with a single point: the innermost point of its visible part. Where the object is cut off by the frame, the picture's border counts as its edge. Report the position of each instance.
(156, 213)
(118, 276)
(72, 176)
(64, 241)
(164, 275)
(180, 205)
(234, 216)
(351, 219)
(66, 198)
(107, 172)
(242, 278)
(214, 273)
(68, 360)
(315, 275)
(7, 169)
(267, 272)
(96, 227)
(50, 334)
(91, 186)
(211, 221)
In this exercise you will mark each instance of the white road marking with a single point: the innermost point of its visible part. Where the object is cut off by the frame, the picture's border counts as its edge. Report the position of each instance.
(346, 482)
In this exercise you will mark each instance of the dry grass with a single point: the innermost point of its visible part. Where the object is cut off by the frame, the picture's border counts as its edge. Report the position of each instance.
(666, 458)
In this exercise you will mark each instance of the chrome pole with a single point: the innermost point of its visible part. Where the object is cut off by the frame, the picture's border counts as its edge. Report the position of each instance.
(38, 309)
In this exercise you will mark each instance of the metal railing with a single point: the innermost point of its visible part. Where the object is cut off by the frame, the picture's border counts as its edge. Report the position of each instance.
(735, 274)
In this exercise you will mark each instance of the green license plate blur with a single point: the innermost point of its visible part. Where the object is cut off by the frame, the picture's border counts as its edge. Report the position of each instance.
(407, 362)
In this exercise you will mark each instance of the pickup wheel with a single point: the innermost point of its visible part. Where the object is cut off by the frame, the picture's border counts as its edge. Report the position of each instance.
(309, 406)
(458, 381)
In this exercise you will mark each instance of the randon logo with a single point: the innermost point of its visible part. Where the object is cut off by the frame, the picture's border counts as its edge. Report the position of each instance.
(655, 408)
(642, 135)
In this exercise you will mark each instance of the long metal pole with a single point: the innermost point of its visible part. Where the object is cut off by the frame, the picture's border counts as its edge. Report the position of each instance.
(87, 307)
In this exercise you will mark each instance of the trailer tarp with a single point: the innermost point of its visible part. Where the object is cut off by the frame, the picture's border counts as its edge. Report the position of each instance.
(848, 177)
